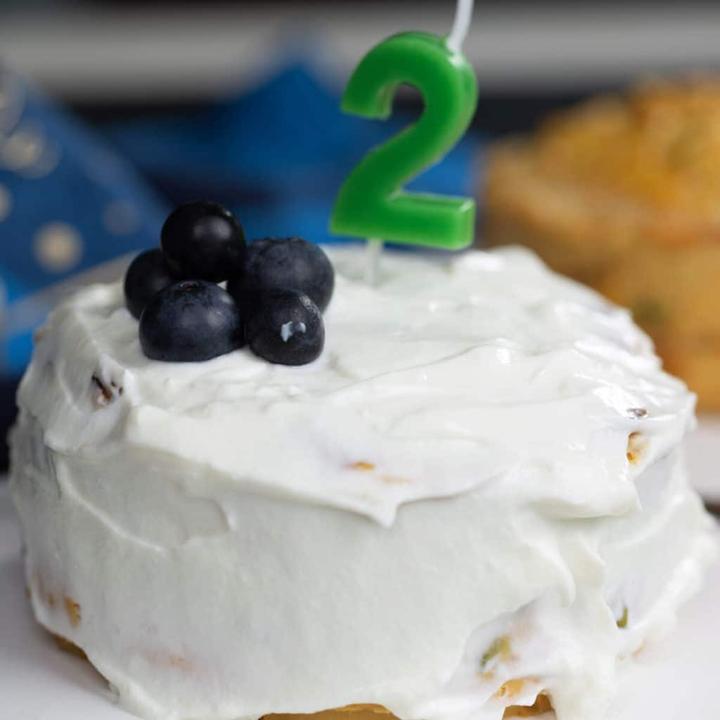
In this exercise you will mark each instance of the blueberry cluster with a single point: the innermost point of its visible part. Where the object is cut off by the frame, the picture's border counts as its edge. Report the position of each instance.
(277, 289)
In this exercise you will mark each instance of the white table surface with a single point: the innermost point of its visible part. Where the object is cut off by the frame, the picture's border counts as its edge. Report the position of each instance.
(675, 680)
(703, 455)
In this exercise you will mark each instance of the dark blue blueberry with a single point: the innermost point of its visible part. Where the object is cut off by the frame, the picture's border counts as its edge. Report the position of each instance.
(147, 275)
(191, 321)
(203, 240)
(288, 264)
(286, 328)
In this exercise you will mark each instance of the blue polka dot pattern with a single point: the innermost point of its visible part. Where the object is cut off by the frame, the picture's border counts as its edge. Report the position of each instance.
(67, 204)
(275, 155)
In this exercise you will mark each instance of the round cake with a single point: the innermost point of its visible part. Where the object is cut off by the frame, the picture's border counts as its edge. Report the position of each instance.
(472, 504)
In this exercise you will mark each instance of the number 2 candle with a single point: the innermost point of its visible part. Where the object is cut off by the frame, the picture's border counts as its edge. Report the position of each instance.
(372, 202)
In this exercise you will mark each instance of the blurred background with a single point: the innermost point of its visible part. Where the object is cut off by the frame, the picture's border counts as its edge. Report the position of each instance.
(112, 112)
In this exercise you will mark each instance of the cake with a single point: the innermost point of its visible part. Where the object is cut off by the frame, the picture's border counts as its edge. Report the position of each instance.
(621, 193)
(471, 504)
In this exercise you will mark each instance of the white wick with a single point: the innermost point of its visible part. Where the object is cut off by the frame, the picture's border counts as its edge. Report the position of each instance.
(372, 261)
(460, 28)
(463, 18)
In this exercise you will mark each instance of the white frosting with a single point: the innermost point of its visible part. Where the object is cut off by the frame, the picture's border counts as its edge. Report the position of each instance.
(244, 538)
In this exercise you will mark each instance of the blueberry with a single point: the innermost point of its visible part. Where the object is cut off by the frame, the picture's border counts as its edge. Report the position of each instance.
(203, 240)
(286, 328)
(190, 321)
(289, 264)
(147, 275)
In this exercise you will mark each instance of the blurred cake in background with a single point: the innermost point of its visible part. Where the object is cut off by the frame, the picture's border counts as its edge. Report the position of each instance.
(623, 193)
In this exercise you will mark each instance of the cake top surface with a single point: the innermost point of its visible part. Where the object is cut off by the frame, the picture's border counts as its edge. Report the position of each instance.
(450, 373)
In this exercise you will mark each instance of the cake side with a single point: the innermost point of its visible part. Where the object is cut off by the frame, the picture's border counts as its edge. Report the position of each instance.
(476, 497)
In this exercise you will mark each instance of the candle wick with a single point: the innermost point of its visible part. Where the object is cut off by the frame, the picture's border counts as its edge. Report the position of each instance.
(461, 25)
(372, 261)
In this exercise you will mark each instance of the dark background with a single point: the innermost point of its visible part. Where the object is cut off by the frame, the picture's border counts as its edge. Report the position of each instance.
(117, 58)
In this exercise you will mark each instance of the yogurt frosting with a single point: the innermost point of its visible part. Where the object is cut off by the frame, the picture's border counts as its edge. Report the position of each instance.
(245, 538)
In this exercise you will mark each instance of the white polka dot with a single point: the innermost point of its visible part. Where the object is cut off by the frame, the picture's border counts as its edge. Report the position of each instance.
(45, 164)
(120, 218)
(58, 247)
(5, 202)
(23, 149)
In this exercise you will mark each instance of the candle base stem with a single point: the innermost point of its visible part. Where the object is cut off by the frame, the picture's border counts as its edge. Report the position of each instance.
(372, 261)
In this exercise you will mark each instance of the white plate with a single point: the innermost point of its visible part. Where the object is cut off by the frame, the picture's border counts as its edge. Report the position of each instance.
(675, 680)
(703, 455)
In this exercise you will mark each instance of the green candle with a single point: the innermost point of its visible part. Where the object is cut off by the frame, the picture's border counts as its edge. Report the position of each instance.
(372, 203)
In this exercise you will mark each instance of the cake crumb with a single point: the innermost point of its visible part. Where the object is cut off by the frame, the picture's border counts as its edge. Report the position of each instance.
(394, 480)
(104, 395)
(178, 661)
(170, 659)
(72, 610)
(362, 465)
(43, 594)
(622, 621)
(640, 650)
(69, 647)
(499, 648)
(511, 688)
(541, 706)
(365, 466)
(637, 443)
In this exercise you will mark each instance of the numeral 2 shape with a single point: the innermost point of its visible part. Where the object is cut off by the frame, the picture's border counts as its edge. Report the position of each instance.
(372, 203)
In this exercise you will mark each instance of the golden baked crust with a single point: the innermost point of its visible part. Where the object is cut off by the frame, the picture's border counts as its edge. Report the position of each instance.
(623, 193)
(69, 647)
(541, 706)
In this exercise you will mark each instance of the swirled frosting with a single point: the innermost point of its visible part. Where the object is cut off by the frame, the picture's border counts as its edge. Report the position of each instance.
(484, 453)
(444, 376)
